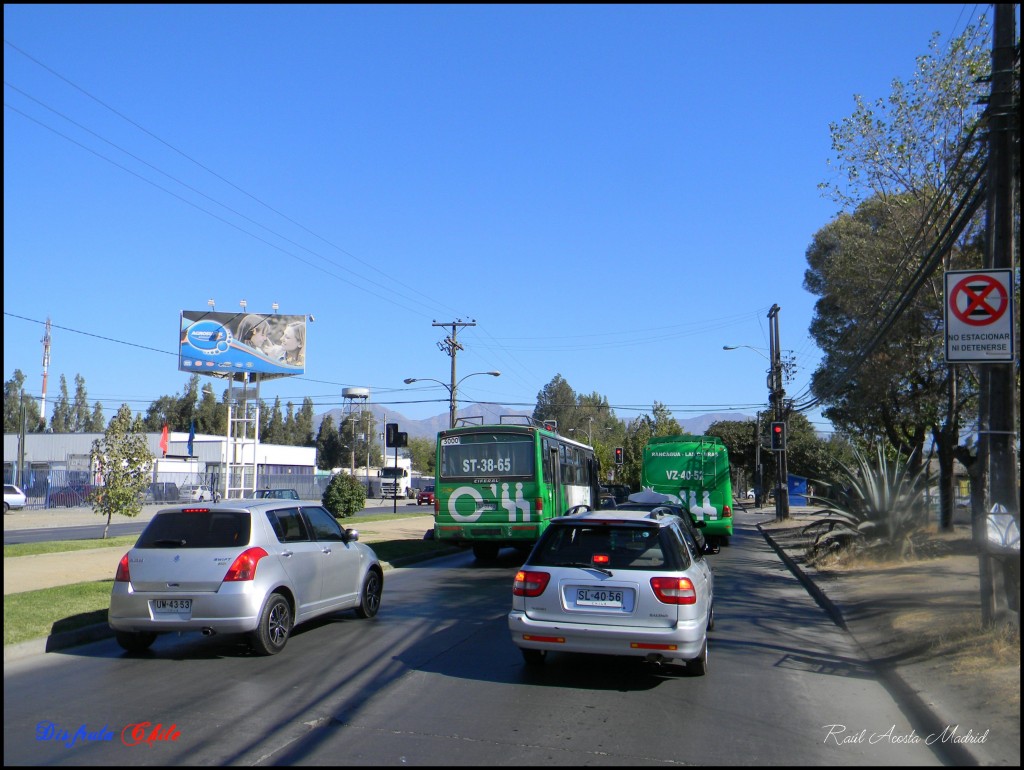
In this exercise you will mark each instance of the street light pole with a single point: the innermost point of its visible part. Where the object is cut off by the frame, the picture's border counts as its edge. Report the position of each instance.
(452, 389)
(777, 394)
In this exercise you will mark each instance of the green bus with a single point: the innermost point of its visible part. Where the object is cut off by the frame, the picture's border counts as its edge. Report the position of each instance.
(695, 471)
(500, 485)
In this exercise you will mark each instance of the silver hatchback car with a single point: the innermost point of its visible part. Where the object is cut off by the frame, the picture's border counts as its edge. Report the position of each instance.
(243, 566)
(615, 582)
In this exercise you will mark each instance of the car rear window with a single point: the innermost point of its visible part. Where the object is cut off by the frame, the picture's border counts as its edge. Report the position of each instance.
(196, 529)
(615, 546)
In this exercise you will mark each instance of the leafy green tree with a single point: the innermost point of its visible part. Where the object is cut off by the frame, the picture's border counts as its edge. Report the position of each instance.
(13, 401)
(125, 464)
(556, 401)
(97, 423)
(740, 439)
(61, 420)
(211, 417)
(80, 414)
(423, 452)
(664, 424)
(345, 496)
(303, 431)
(328, 445)
(275, 426)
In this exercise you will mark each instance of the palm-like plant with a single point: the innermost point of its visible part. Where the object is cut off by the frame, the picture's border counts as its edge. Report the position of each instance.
(882, 505)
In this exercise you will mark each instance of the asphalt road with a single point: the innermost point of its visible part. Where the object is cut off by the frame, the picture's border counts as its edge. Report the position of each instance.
(435, 680)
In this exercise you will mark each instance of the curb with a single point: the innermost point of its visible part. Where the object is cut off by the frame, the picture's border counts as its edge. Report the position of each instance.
(922, 716)
(99, 631)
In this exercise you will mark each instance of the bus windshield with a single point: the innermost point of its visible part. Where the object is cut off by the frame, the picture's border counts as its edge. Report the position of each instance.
(499, 455)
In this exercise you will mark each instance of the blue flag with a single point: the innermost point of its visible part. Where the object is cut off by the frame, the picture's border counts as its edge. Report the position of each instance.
(191, 436)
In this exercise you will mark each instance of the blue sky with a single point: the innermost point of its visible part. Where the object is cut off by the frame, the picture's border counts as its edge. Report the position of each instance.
(612, 193)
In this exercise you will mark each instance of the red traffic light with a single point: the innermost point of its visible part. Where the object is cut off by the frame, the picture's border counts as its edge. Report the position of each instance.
(618, 455)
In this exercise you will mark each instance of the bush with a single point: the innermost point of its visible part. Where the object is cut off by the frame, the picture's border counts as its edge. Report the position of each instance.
(345, 496)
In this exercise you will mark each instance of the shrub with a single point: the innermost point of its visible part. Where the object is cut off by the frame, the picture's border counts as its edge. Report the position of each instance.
(345, 496)
(882, 507)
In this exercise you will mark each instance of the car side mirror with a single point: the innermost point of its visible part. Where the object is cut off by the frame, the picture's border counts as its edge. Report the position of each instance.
(710, 549)
(351, 535)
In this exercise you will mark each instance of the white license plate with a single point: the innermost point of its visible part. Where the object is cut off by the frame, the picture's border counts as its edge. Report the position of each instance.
(598, 597)
(172, 605)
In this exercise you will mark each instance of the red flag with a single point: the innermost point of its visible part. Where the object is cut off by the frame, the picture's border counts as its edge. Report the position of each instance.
(163, 440)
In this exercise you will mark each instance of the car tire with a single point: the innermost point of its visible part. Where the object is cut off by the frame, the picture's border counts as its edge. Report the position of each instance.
(533, 657)
(369, 598)
(135, 641)
(274, 627)
(486, 551)
(711, 618)
(6, 507)
(699, 666)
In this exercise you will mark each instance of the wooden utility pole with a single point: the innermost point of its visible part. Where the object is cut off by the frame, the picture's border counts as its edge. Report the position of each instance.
(777, 398)
(451, 346)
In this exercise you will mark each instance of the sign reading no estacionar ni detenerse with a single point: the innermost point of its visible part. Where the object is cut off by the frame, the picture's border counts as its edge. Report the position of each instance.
(979, 316)
(229, 343)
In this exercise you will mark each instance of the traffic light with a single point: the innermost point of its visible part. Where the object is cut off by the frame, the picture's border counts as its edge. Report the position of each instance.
(618, 455)
(778, 436)
(390, 434)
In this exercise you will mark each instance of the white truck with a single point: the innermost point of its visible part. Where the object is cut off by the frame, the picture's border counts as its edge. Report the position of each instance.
(395, 481)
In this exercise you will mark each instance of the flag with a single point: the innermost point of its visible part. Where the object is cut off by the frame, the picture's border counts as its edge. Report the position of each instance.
(163, 440)
(191, 436)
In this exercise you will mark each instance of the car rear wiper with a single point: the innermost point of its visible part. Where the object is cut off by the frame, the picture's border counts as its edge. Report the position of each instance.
(168, 542)
(581, 565)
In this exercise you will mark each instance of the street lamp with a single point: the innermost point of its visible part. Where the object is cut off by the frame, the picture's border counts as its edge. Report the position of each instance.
(452, 389)
(759, 351)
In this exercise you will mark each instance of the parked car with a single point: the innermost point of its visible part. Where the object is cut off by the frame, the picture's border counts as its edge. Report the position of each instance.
(615, 582)
(606, 500)
(14, 498)
(276, 494)
(426, 495)
(750, 494)
(257, 567)
(195, 493)
(66, 497)
(162, 492)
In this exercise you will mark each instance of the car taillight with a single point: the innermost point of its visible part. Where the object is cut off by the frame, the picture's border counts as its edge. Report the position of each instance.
(726, 512)
(244, 567)
(529, 583)
(674, 590)
(122, 575)
(538, 505)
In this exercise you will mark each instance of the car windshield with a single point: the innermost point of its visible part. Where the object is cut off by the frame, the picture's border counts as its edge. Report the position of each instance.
(604, 546)
(196, 529)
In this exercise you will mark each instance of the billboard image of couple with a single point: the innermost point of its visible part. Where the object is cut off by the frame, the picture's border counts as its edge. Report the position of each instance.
(225, 343)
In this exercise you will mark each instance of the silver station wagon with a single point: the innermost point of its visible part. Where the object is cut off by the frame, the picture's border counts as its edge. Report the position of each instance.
(615, 582)
(243, 566)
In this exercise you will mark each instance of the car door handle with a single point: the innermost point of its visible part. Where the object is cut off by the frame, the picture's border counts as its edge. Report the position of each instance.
(326, 550)
(287, 553)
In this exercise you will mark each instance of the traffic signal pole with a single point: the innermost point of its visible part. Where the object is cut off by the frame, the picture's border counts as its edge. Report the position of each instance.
(776, 397)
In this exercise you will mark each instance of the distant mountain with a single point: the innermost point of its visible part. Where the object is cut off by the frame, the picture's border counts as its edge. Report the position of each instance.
(492, 413)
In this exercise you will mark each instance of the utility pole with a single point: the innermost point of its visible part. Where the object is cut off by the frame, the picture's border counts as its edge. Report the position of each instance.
(776, 397)
(451, 346)
(998, 408)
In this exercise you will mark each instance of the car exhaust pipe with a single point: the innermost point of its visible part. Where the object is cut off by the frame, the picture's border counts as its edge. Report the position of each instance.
(656, 658)
(208, 631)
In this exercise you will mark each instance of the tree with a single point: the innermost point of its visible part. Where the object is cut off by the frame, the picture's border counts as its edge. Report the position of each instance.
(275, 433)
(124, 462)
(13, 402)
(80, 415)
(303, 430)
(345, 496)
(328, 445)
(556, 401)
(664, 424)
(60, 421)
(97, 423)
(423, 452)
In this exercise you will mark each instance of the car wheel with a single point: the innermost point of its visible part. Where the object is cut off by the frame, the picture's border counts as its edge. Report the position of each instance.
(369, 602)
(699, 666)
(135, 641)
(533, 657)
(711, 618)
(6, 507)
(275, 624)
(485, 551)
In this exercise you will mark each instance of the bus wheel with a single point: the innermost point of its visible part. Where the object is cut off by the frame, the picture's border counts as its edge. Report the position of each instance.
(485, 551)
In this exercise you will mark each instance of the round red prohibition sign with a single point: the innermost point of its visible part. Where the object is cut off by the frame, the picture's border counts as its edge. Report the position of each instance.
(970, 302)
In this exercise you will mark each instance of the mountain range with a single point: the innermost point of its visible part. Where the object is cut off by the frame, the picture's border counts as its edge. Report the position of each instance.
(492, 413)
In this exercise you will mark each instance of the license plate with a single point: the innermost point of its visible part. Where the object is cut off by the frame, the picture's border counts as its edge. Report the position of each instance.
(172, 605)
(598, 597)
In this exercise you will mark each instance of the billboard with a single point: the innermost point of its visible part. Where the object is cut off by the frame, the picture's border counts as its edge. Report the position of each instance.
(232, 343)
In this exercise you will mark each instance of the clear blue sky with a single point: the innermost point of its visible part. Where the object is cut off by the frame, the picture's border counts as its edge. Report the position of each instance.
(611, 192)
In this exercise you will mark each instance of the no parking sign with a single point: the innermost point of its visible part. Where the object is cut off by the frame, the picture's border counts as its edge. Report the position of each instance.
(979, 316)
